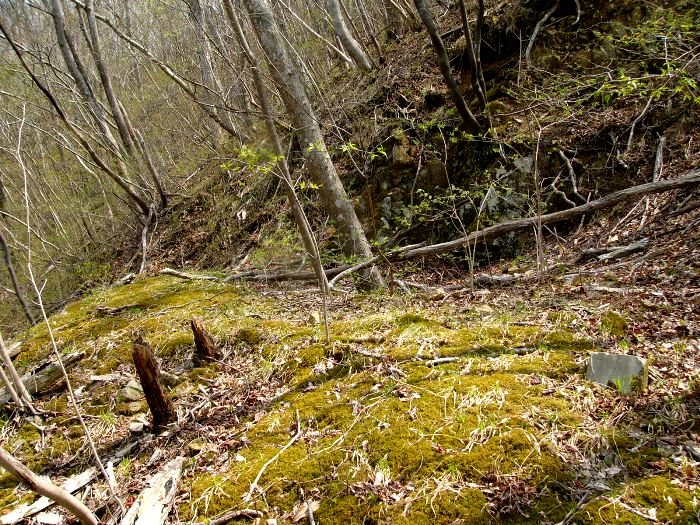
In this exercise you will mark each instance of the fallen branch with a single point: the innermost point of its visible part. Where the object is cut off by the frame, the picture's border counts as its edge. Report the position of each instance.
(46, 488)
(625, 250)
(191, 276)
(612, 252)
(440, 361)
(370, 262)
(497, 230)
(154, 503)
(70, 485)
(45, 378)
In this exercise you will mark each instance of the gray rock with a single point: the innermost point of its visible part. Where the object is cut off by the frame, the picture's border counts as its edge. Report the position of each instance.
(132, 391)
(170, 380)
(136, 427)
(623, 372)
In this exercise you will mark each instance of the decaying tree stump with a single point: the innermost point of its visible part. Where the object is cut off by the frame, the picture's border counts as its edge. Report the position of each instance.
(205, 347)
(159, 402)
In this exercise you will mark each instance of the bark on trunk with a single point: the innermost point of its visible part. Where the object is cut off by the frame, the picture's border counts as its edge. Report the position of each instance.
(282, 167)
(19, 387)
(206, 349)
(296, 101)
(207, 71)
(107, 80)
(159, 402)
(349, 43)
(444, 62)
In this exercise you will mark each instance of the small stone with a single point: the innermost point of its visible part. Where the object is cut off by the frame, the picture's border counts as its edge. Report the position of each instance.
(136, 427)
(196, 446)
(623, 372)
(132, 391)
(134, 407)
(170, 380)
(314, 318)
(693, 449)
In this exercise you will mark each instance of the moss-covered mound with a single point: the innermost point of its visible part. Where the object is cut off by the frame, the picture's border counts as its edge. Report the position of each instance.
(417, 412)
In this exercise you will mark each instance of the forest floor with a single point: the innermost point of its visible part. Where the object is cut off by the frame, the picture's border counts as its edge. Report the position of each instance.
(371, 428)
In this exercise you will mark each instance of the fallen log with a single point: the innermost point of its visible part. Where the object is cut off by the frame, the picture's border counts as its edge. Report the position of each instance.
(155, 501)
(185, 275)
(497, 230)
(491, 232)
(46, 377)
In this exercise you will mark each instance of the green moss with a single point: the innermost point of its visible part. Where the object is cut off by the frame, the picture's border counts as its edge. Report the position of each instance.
(673, 504)
(249, 336)
(613, 323)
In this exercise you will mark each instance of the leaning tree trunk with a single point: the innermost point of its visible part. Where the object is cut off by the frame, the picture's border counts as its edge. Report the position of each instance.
(313, 146)
(20, 389)
(351, 45)
(444, 62)
(300, 218)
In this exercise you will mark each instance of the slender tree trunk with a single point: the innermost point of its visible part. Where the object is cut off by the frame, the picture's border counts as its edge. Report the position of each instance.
(13, 277)
(349, 43)
(283, 169)
(474, 51)
(205, 67)
(10, 387)
(96, 47)
(444, 62)
(76, 70)
(296, 101)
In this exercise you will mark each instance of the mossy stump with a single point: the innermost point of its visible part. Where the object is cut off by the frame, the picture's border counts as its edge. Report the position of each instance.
(159, 402)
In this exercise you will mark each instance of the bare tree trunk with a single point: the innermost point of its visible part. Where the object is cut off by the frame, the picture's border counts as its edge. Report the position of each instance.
(474, 50)
(7, 383)
(283, 169)
(13, 277)
(205, 67)
(96, 47)
(296, 101)
(349, 43)
(76, 70)
(444, 62)
(46, 488)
